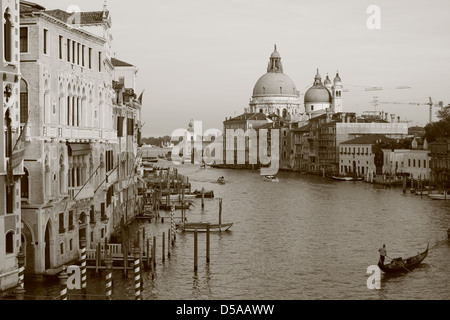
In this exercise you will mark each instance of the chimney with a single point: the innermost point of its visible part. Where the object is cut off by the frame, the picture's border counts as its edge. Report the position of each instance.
(386, 116)
(392, 118)
(343, 117)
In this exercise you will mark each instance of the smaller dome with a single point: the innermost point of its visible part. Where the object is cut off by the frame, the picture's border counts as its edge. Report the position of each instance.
(275, 55)
(337, 80)
(327, 82)
(318, 94)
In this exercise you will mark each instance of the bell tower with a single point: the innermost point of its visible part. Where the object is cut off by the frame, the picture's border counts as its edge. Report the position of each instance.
(337, 89)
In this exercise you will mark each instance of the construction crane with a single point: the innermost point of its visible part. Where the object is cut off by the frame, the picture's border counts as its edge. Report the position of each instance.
(430, 104)
(370, 89)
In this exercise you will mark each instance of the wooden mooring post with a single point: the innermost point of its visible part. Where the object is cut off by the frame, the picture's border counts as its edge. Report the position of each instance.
(154, 253)
(163, 247)
(63, 284)
(220, 215)
(168, 243)
(195, 251)
(148, 264)
(207, 244)
(109, 283)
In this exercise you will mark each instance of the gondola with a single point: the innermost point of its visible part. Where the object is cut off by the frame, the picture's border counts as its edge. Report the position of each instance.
(400, 265)
(203, 227)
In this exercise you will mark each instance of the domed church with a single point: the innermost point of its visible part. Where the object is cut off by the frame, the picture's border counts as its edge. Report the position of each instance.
(326, 97)
(276, 93)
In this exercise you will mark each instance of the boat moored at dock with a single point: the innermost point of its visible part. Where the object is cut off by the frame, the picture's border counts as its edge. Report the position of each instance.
(203, 227)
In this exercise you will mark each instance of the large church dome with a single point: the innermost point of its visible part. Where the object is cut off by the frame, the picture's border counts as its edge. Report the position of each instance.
(275, 82)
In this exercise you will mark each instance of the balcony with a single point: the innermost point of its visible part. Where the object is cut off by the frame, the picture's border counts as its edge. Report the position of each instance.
(81, 193)
(78, 133)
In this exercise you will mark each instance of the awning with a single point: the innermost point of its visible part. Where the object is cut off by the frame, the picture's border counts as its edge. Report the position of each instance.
(79, 149)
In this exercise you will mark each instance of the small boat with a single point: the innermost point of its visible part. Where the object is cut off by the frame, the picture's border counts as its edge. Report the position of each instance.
(439, 196)
(221, 180)
(206, 194)
(150, 159)
(176, 197)
(271, 179)
(338, 178)
(186, 206)
(202, 227)
(400, 265)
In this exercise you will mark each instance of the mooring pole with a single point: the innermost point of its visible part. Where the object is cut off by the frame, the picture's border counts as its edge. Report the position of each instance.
(207, 243)
(63, 284)
(109, 283)
(195, 251)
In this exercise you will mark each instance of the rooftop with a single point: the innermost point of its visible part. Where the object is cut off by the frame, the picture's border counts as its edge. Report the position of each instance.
(120, 63)
(248, 117)
(369, 139)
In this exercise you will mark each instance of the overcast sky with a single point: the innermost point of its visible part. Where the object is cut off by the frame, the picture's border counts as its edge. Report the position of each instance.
(201, 59)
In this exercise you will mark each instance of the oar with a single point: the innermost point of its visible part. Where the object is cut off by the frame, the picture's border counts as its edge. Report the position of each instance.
(401, 266)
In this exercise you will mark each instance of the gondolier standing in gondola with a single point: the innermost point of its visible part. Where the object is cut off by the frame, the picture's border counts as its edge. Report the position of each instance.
(383, 254)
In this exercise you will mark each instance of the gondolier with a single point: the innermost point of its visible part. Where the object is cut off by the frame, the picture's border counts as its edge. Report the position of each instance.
(383, 254)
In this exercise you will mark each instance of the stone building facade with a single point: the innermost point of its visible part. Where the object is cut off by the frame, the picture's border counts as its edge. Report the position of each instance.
(11, 160)
(67, 89)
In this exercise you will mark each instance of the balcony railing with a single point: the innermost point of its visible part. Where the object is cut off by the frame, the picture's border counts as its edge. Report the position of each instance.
(81, 193)
(78, 133)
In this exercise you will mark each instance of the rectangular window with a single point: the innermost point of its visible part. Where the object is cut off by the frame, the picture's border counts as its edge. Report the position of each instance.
(120, 127)
(130, 127)
(78, 53)
(23, 39)
(82, 55)
(122, 80)
(90, 58)
(9, 200)
(100, 61)
(92, 215)
(103, 211)
(414, 163)
(46, 41)
(71, 226)
(68, 50)
(61, 223)
(60, 47)
(74, 51)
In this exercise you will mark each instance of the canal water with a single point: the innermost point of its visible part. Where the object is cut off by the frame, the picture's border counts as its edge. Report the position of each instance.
(300, 239)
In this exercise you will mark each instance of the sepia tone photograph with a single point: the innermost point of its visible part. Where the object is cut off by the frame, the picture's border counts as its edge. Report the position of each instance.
(224, 151)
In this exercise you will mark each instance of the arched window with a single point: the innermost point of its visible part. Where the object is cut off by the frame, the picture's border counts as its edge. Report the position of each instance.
(9, 242)
(23, 101)
(7, 36)
(25, 184)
